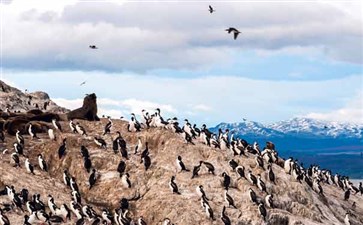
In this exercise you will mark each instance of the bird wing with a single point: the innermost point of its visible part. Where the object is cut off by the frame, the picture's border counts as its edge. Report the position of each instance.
(235, 34)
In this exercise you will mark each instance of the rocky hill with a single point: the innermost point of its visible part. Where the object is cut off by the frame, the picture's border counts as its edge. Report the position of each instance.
(295, 202)
(15, 100)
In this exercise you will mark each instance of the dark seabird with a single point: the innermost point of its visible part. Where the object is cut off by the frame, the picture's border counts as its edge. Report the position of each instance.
(262, 210)
(210, 167)
(121, 167)
(173, 186)
(211, 10)
(224, 217)
(62, 149)
(234, 31)
(92, 178)
(226, 180)
(93, 47)
(196, 169)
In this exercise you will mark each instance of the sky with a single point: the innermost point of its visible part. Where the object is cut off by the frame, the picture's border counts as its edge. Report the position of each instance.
(292, 58)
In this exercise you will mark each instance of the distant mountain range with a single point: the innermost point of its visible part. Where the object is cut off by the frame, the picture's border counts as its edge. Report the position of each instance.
(296, 127)
(334, 145)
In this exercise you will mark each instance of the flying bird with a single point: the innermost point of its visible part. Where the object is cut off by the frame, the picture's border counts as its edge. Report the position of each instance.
(234, 31)
(211, 10)
(84, 82)
(93, 47)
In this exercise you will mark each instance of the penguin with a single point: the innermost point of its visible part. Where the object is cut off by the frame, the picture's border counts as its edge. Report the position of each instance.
(180, 165)
(251, 178)
(51, 134)
(4, 220)
(210, 167)
(287, 165)
(346, 219)
(62, 149)
(141, 221)
(262, 211)
(146, 150)
(125, 180)
(51, 205)
(123, 147)
(73, 184)
(200, 192)
(196, 169)
(29, 167)
(271, 174)
(56, 125)
(39, 205)
(55, 219)
(31, 131)
(66, 178)
(64, 212)
(252, 195)
(138, 145)
(84, 152)
(108, 127)
(224, 217)
(15, 158)
(92, 178)
(347, 194)
(209, 212)
(269, 200)
(24, 193)
(259, 161)
(147, 161)
(233, 164)
(134, 125)
(229, 199)
(240, 170)
(106, 216)
(188, 138)
(30, 207)
(87, 164)
(42, 164)
(226, 180)
(260, 184)
(76, 197)
(173, 186)
(72, 126)
(121, 167)
(19, 148)
(100, 142)
(81, 129)
(29, 220)
(360, 188)
(19, 138)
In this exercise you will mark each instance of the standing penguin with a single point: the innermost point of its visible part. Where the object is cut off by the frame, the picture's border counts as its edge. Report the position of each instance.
(62, 149)
(108, 127)
(252, 195)
(31, 131)
(196, 169)
(147, 161)
(210, 167)
(229, 199)
(269, 200)
(224, 217)
(138, 145)
(121, 168)
(92, 178)
(260, 184)
(262, 211)
(173, 186)
(29, 167)
(42, 163)
(226, 180)
(51, 134)
(271, 175)
(56, 125)
(19, 138)
(15, 158)
(125, 180)
(180, 165)
(347, 194)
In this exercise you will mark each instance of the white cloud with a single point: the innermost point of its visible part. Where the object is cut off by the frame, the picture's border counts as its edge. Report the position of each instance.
(202, 107)
(351, 112)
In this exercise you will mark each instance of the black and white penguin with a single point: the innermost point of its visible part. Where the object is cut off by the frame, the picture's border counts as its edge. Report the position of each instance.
(121, 167)
(226, 180)
(252, 195)
(260, 184)
(240, 170)
(125, 180)
(92, 178)
(31, 131)
(259, 161)
(147, 161)
(180, 165)
(76, 197)
(56, 125)
(347, 194)
(100, 142)
(51, 134)
(209, 212)
(19, 148)
(107, 217)
(173, 186)
(19, 138)
(51, 205)
(146, 150)
(200, 192)
(224, 217)
(209, 166)
(62, 149)
(80, 129)
(108, 127)
(262, 210)
(16, 160)
(141, 221)
(138, 145)
(196, 169)
(251, 178)
(73, 184)
(29, 167)
(269, 200)
(42, 164)
(288, 165)
(84, 152)
(4, 220)
(72, 126)
(123, 147)
(134, 125)
(271, 174)
(233, 164)
(229, 200)
(87, 164)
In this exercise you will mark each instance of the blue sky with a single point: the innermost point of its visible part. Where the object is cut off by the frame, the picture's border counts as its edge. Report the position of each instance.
(291, 59)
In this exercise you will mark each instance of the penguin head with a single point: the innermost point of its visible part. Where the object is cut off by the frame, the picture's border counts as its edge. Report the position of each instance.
(179, 157)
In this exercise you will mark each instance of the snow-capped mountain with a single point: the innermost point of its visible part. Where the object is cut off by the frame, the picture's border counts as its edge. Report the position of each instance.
(296, 127)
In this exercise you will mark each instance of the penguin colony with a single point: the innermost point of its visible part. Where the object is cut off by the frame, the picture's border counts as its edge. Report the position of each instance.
(260, 194)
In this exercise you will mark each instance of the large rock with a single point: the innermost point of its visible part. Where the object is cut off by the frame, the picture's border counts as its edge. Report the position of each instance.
(88, 111)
